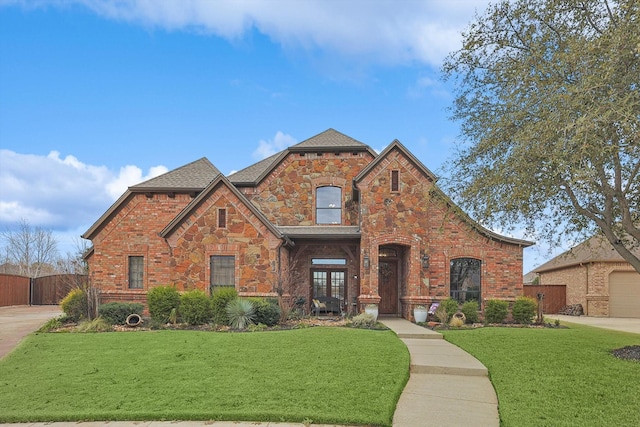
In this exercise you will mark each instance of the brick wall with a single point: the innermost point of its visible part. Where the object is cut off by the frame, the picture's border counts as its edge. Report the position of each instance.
(133, 231)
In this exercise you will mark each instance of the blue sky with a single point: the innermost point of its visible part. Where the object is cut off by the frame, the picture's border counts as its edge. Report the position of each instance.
(96, 96)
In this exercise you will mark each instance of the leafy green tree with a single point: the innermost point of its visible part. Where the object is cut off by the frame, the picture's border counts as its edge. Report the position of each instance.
(548, 97)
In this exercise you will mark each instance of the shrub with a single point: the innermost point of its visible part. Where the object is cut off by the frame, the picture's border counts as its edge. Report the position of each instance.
(495, 311)
(195, 307)
(75, 305)
(116, 312)
(95, 325)
(363, 320)
(51, 324)
(456, 322)
(267, 311)
(450, 305)
(241, 313)
(470, 310)
(524, 310)
(442, 314)
(219, 300)
(161, 300)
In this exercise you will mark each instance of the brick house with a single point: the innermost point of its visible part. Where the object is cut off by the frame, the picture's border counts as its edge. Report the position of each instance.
(345, 221)
(596, 276)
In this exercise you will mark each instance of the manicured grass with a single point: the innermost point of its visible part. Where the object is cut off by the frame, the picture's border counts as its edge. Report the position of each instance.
(326, 375)
(558, 377)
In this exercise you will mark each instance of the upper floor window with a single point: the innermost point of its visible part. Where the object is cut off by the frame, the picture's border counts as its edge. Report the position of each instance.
(222, 218)
(395, 180)
(465, 279)
(328, 205)
(136, 272)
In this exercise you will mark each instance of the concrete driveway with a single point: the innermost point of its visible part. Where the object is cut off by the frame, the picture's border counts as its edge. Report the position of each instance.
(624, 324)
(18, 321)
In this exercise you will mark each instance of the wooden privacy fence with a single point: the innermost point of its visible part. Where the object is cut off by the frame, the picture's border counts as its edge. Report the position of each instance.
(14, 290)
(555, 296)
(47, 290)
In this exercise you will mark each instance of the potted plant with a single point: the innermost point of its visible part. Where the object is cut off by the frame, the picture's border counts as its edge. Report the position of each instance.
(420, 313)
(372, 309)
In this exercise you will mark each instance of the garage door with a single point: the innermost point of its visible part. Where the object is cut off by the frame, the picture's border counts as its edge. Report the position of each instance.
(624, 294)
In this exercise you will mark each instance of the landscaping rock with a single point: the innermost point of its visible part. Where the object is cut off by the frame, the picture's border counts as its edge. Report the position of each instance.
(572, 310)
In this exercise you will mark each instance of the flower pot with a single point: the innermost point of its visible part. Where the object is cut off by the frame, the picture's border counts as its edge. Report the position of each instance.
(420, 314)
(372, 309)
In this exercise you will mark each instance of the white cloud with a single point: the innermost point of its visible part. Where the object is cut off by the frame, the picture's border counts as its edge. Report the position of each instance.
(382, 31)
(60, 193)
(270, 147)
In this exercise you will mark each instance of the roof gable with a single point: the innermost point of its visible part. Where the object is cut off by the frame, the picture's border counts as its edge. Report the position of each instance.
(328, 141)
(210, 189)
(397, 145)
(192, 176)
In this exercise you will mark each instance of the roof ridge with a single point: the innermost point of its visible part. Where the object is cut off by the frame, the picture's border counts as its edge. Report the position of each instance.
(196, 174)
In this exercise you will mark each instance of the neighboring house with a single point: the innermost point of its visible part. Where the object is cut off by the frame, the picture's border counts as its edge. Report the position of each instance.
(345, 221)
(597, 277)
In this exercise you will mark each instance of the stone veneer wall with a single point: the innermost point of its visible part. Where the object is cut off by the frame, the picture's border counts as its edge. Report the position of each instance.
(246, 238)
(287, 195)
(416, 218)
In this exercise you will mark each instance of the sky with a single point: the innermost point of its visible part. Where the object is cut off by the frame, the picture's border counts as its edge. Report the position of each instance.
(98, 95)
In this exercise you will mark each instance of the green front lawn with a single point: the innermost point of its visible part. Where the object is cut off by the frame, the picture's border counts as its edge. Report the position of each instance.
(323, 375)
(558, 377)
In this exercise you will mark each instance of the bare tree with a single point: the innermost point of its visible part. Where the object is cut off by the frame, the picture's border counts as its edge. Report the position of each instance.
(31, 249)
(290, 288)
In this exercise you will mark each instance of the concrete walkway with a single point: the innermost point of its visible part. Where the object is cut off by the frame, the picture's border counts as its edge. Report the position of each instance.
(447, 386)
(622, 324)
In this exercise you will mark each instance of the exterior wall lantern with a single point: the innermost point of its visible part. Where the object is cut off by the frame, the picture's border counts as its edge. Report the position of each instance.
(425, 261)
(366, 261)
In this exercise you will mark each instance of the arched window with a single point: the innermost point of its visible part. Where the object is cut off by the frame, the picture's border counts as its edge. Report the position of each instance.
(465, 279)
(328, 205)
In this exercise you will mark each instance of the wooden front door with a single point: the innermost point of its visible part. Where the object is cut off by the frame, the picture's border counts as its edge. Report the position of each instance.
(388, 287)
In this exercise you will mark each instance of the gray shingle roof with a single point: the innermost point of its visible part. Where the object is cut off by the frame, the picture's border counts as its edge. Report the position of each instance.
(193, 176)
(253, 173)
(595, 249)
(330, 138)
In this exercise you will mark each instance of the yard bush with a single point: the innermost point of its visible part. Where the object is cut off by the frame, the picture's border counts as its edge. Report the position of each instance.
(241, 313)
(161, 300)
(450, 305)
(95, 325)
(195, 307)
(219, 301)
(470, 310)
(495, 311)
(74, 305)
(267, 311)
(363, 320)
(524, 310)
(116, 313)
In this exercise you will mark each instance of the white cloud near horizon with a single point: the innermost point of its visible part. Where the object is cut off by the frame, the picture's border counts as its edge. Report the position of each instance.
(60, 193)
(270, 147)
(382, 32)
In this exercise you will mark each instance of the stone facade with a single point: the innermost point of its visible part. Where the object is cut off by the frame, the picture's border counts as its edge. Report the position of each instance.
(393, 243)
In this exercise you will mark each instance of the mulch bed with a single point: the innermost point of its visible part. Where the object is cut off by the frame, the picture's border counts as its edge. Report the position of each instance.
(631, 352)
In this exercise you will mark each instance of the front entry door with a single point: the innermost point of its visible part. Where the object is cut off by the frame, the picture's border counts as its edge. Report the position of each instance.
(388, 287)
